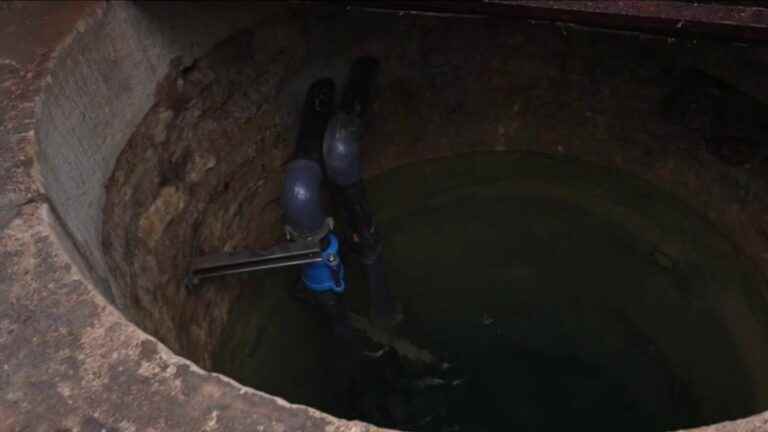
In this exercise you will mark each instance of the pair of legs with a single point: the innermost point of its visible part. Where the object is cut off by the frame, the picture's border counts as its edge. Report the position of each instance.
(332, 137)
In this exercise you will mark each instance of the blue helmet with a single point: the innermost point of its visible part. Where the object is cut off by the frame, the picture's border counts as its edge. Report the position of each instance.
(341, 149)
(301, 201)
(341, 144)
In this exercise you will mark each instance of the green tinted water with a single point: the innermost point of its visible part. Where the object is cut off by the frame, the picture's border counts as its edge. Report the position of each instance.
(562, 294)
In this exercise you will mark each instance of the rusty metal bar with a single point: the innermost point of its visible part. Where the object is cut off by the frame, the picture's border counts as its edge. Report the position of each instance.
(282, 255)
(744, 21)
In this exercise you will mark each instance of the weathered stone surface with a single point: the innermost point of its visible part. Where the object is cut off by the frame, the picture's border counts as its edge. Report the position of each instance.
(100, 82)
(757, 423)
(169, 203)
(199, 170)
(22, 72)
(70, 361)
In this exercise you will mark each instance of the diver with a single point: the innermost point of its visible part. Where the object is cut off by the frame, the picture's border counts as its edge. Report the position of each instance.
(328, 153)
(326, 162)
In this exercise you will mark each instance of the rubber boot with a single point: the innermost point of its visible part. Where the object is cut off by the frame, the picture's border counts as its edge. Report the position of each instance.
(356, 96)
(317, 111)
(385, 311)
(334, 306)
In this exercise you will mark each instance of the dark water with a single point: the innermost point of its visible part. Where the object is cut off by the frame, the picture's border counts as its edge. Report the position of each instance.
(560, 293)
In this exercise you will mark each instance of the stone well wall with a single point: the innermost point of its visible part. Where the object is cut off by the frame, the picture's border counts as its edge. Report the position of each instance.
(76, 79)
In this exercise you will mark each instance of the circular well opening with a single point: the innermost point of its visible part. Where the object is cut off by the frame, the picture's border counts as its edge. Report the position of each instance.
(550, 291)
